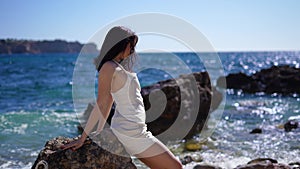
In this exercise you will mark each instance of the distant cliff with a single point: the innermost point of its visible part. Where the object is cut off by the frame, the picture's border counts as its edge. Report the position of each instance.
(10, 46)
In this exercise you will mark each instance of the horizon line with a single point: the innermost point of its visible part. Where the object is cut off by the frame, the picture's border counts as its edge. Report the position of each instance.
(220, 50)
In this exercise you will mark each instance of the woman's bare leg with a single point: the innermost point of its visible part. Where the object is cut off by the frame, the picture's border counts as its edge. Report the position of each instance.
(158, 156)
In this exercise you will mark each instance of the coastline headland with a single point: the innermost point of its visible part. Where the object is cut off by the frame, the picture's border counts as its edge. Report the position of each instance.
(14, 46)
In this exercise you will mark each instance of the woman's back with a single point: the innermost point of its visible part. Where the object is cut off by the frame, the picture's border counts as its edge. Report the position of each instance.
(128, 99)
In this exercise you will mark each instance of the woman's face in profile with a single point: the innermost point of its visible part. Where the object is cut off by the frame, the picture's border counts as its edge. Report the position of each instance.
(129, 49)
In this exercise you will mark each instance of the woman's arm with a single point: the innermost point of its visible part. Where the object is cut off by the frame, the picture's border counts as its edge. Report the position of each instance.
(103, 105)
(104, 102)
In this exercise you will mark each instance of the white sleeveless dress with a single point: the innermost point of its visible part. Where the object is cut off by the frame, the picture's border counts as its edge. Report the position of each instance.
(128, 122)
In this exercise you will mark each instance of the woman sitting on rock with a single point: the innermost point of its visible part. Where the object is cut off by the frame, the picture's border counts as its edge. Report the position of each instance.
(116, 83)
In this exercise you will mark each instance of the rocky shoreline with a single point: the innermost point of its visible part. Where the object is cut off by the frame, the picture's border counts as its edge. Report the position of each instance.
(106, 152)
(259, 163)
(13, 46)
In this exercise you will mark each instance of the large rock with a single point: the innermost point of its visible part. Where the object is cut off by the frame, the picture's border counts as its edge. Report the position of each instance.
(110, 155)
(176, 91)
(277, 79)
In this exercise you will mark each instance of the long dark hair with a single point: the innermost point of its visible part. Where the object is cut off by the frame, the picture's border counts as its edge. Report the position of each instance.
(115, 42)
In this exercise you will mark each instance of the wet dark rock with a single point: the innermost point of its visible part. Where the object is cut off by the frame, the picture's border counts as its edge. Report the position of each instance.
(263, 163)
(259, 163)
(262, 160)
(191, 158)
(235, 81)
(205, 167)
(90, 155)
(295, 165)
(264, 166)
(277, 79)
(290, 125)
(187, 159)
(256, 131)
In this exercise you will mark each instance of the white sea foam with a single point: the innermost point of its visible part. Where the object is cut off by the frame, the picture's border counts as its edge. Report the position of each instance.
(20, 129)
(294, 118)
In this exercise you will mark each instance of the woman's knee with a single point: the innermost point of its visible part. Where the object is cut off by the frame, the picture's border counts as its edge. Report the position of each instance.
(162, 162)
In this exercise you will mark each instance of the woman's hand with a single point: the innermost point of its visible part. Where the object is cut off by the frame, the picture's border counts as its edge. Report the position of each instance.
(74, 145)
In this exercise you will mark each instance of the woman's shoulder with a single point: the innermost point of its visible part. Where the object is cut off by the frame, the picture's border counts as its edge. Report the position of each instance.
(111, 69)
(109, 66)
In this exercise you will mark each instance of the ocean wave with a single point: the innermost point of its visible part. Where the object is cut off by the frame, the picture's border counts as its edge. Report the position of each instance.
(24, 133)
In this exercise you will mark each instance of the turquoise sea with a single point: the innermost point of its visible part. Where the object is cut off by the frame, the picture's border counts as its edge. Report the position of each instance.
(36, 105)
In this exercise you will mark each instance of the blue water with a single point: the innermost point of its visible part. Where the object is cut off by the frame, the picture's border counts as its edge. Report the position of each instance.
(36, 105)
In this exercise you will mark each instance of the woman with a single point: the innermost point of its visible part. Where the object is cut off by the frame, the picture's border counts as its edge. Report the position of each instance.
(116, 83)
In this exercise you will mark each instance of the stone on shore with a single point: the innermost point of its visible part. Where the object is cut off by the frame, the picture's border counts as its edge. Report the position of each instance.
(290, 125)
(259, 163)
(190, 158)
(110, 155)
(256, 131)
(263, 163)
(206, 167)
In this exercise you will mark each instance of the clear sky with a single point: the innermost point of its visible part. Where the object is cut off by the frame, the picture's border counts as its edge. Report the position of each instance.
(230, 25)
